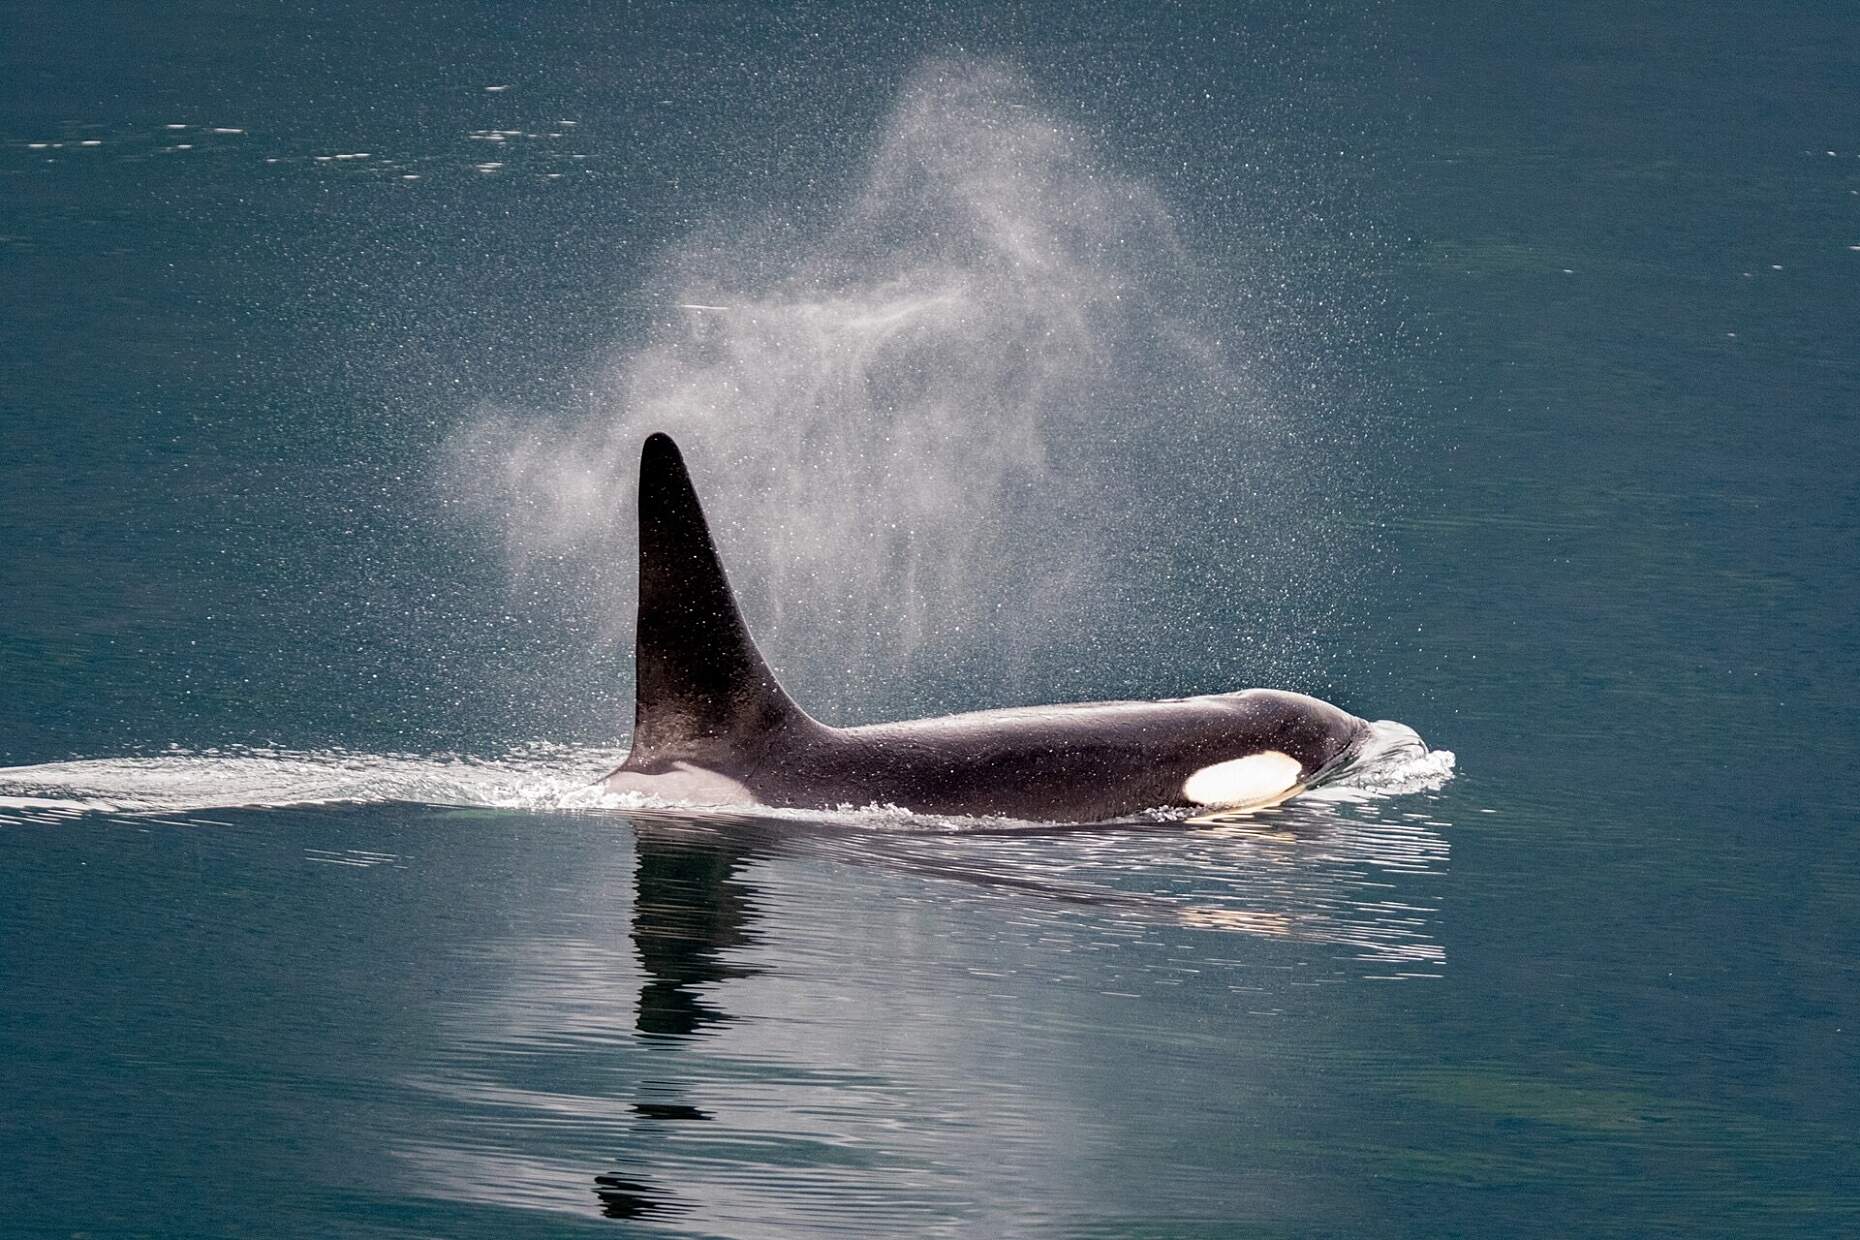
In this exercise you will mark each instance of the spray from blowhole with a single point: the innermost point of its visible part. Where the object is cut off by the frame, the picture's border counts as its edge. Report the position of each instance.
(953, 444)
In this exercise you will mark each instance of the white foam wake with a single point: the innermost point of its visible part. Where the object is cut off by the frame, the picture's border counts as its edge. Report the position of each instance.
(537, 776)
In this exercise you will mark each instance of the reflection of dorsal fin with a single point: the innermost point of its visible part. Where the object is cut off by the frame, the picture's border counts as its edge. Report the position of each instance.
(700, 681)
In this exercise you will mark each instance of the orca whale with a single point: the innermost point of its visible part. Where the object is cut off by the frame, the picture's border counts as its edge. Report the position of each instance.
(712, 725)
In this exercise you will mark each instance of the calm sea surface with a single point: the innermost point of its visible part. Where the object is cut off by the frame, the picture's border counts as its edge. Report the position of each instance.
(1491, 373)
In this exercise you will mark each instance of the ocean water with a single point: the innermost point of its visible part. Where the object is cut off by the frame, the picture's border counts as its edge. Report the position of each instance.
(1485, 371)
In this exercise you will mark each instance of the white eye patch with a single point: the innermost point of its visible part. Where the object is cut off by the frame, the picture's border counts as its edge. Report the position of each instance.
(1252, 780)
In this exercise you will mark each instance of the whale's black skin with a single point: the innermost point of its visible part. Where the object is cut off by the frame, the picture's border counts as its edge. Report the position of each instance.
(712, 725)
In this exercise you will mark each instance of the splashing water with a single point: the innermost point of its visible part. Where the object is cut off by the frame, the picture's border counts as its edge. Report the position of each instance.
(1393, 761)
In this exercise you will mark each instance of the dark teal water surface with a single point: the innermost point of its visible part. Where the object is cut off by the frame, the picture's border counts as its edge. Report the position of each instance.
(1489, 371)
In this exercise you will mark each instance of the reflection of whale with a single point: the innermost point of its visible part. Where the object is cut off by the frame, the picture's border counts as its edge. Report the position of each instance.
(713, 727)
(623, 1198)
(689, 909)
(1317, 871)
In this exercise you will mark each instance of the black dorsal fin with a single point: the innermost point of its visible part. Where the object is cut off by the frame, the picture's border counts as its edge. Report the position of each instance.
(700, 682)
